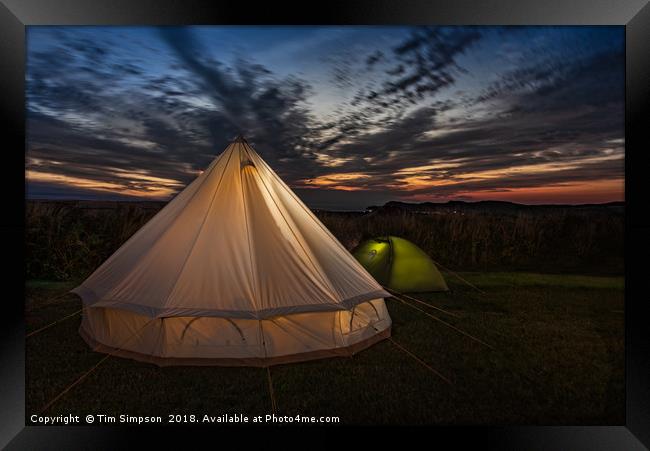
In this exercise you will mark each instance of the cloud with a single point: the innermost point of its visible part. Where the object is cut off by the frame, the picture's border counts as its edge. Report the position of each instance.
(551, 116)
(564, 109)
(376, 56)
(250, 100)
(168, 126)
(417, 69)
(552, 84)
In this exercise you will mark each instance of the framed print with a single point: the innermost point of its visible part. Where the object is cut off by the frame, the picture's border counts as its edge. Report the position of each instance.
(347, 214)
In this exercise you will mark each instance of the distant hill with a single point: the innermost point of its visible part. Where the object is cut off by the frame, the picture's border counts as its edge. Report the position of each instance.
(486, 206)
(427, 208)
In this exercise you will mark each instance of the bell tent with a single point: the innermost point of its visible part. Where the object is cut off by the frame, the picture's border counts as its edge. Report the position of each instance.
(400, 265)
(235, 270)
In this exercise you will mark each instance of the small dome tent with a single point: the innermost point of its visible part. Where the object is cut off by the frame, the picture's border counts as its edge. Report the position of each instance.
(400, 265)
(234, 271)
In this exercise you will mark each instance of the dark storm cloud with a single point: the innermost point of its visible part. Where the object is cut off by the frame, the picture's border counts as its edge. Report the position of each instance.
(429, 59)
(267, 110)
(490, 144)
(95, 115)
(420, 66)
(218, 84)
(425, 62)
(588, 172)
(176, 133)
(81, 154)
(374, 57)
(551, 84)
(561, 110)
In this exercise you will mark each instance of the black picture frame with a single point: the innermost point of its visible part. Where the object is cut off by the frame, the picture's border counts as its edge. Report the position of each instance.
(634, 15)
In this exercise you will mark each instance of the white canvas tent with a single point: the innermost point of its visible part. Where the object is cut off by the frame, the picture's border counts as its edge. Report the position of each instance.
(235, 270)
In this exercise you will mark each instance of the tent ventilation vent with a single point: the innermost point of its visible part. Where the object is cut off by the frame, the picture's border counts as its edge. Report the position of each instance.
(247, 163)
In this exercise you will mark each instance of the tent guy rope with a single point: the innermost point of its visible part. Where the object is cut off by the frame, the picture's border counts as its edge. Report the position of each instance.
(52, 300)
(91, 370)
(274, 403)
(420, 361)
(420, 302)
(534, 383)
(446, 323)
(55, 323)
(459, 277)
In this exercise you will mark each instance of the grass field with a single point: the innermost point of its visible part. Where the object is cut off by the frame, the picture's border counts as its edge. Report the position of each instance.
(66, 240)
(558, 358)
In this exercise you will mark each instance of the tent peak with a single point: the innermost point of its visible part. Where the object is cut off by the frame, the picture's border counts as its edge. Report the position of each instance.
(240, 139)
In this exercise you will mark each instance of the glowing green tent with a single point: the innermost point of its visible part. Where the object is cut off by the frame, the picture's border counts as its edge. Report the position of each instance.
(400, 265)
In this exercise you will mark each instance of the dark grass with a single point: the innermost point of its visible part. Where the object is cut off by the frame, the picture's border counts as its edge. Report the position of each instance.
(558, 359)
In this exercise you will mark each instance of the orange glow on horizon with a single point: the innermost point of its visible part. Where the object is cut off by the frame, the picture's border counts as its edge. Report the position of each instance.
(334, 181)
(149, 186)
(140, 185)
(600, 191)
(431, 176)
(416, 182)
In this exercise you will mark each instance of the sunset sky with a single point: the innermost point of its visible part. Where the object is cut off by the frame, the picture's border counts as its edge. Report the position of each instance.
(347, 116)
